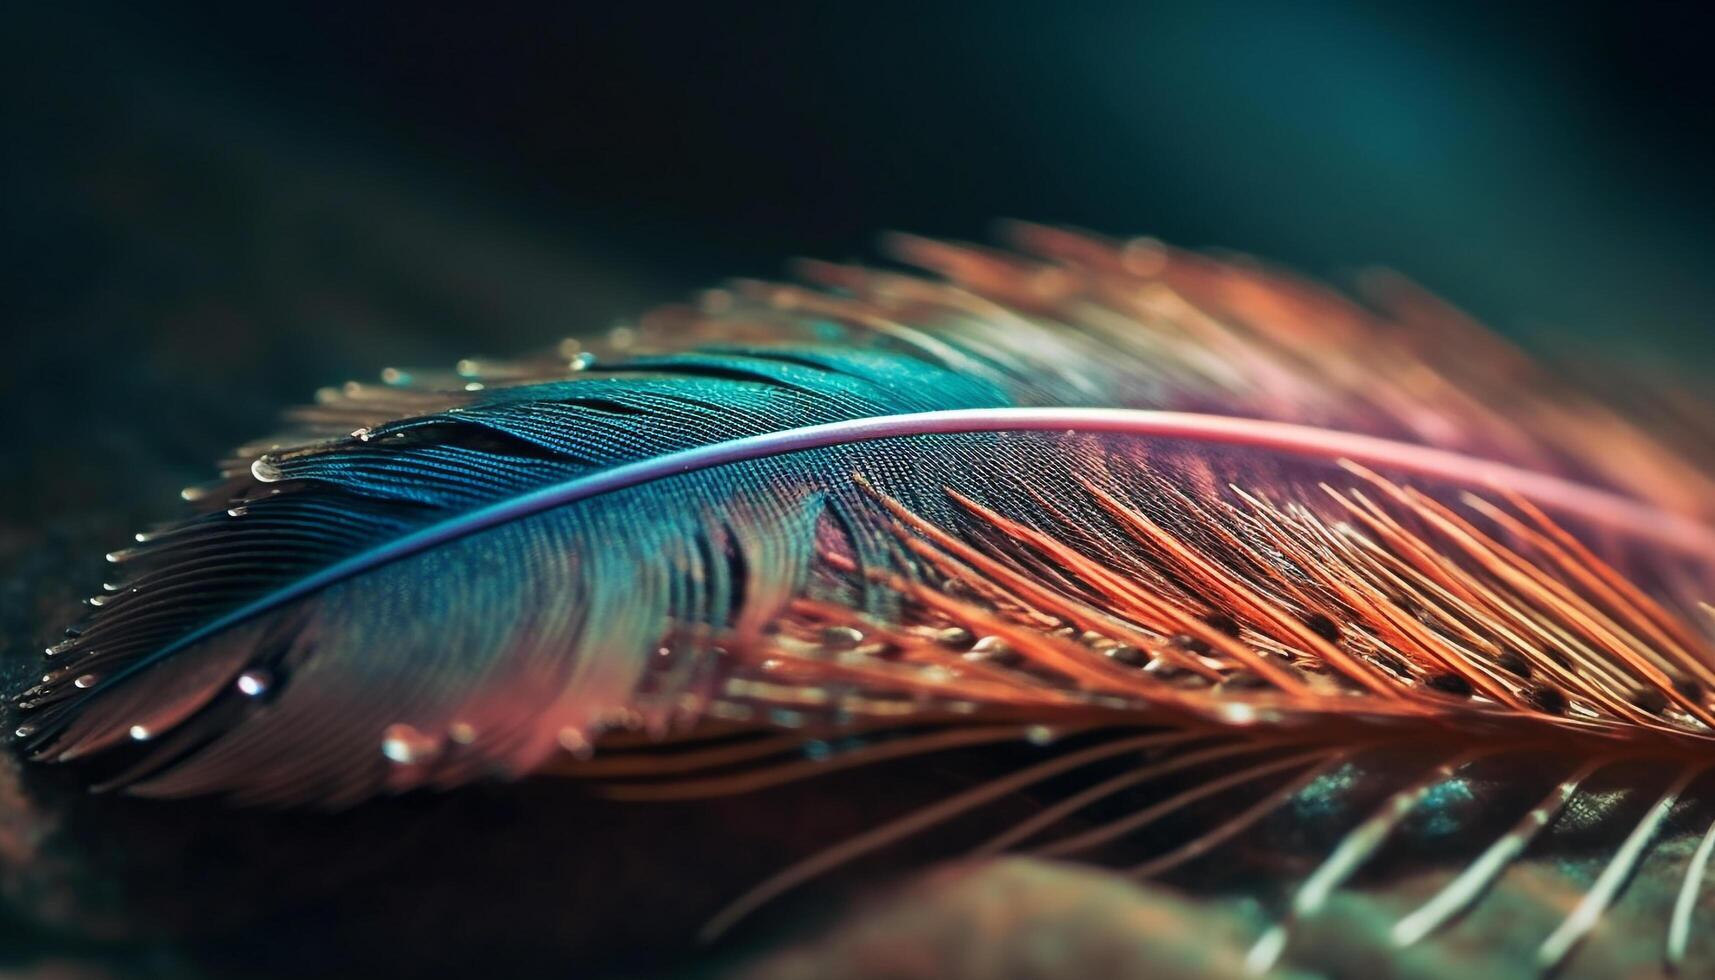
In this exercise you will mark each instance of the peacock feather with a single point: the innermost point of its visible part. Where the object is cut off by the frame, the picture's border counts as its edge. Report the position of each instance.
(1241, 585)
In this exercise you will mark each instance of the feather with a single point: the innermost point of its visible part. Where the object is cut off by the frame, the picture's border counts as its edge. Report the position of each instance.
(1241, 557)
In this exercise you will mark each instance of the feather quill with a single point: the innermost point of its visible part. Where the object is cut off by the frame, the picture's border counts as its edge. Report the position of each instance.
(1243, 556)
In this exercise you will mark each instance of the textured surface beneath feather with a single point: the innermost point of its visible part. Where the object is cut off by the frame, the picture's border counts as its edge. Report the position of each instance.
(1262, 625)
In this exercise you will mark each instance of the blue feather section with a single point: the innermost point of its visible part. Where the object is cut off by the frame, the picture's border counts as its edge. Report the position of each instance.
(532, 634)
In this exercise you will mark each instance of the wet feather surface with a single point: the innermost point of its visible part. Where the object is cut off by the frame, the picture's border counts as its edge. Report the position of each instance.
(1244, 588)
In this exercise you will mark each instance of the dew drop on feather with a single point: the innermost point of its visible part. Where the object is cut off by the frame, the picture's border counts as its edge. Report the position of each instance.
(264, 470)
(406, 746)
(841, 637)
(956, 637)
(254, 683)
(999, 655)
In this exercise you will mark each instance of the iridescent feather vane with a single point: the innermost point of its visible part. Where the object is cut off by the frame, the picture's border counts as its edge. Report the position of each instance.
(1289, 595)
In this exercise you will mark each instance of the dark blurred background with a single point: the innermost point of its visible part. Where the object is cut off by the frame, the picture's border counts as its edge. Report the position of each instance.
(210, 210)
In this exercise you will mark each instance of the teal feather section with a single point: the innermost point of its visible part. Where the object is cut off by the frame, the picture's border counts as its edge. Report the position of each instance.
(342, 499)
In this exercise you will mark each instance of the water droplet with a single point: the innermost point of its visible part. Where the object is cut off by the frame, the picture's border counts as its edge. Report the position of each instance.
(468, 368)
(264, 470)
(841, 637)
(581, 362)
(406, 745)
(238, 511)
(1238, 712)
(361, 435)
(254, 683)
(141, 734)
(1039, 735)
(474, 386)
(956, 637)
(86, 681)
(25, 731)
